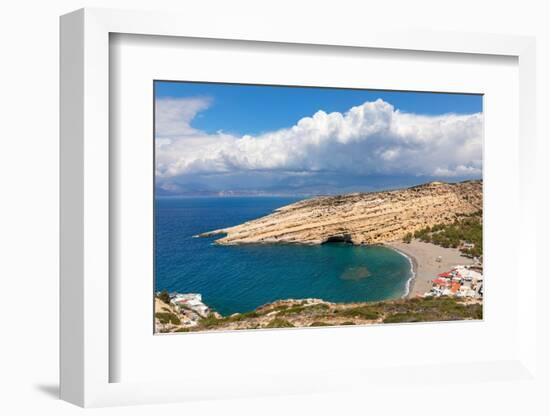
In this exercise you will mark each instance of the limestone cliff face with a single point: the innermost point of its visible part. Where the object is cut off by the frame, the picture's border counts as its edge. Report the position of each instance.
(359, 218)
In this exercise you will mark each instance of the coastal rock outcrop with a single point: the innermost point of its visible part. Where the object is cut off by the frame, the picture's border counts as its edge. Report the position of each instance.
(359, 218)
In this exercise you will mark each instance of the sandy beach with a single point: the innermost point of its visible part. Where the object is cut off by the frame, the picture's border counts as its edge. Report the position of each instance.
(423, 256)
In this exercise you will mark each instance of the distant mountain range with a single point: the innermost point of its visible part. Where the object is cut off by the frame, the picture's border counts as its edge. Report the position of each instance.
(371, 184)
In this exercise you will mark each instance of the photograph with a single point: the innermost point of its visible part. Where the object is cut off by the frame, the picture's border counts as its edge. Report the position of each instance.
(302, 207)
(275, 208)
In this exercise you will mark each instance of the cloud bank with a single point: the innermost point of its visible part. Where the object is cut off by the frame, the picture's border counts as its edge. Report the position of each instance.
(173, 116)
(370, 140)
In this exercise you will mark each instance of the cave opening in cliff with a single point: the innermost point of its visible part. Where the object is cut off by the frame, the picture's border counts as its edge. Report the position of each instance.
(339, 238)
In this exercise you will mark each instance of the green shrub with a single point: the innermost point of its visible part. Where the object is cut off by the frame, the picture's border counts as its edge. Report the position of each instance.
(363, 312)
(211, 321)
(431, 309)
(304, 308)
(276, 308)
(167, 317)
(164, 296)
(475, 311)
(290, 311)
(468, 228)
(402, 317)
(319, 323)
(241, 316)
(279, 323)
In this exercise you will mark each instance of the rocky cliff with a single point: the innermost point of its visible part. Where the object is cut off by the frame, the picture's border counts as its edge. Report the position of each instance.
(359, 218)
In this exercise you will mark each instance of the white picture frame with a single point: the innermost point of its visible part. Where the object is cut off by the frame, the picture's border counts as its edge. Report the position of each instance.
(86, 356)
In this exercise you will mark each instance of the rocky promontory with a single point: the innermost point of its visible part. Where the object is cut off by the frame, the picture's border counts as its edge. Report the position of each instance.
(359, 218)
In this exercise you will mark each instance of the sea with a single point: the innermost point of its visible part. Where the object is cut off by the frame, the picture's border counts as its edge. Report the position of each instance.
(241, 278)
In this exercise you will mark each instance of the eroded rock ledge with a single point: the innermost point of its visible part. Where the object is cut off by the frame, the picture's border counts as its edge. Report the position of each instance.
(359, 218)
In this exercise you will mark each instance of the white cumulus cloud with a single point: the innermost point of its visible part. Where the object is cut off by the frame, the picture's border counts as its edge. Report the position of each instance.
(173, 116)
(370, 139)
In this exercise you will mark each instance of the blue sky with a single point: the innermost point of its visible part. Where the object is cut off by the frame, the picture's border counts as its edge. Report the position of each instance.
(247, 139)
(255, 109)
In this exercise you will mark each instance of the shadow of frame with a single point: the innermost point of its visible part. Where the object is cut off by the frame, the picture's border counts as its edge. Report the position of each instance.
(51, 390)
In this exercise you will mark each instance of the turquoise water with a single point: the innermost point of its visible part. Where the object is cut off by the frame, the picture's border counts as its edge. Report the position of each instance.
(241, 278)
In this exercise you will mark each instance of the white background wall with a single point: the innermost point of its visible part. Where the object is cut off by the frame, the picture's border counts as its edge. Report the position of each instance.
(29, 183)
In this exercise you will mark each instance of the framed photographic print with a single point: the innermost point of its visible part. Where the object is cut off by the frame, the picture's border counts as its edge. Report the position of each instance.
(283, 207)
(271, 212)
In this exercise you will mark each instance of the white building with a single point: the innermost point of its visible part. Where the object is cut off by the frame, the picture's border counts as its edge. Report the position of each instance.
(468, 274)
(191, 301)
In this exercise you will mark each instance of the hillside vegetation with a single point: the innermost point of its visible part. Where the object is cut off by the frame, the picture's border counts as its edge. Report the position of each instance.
(466, 229)
(316, 313)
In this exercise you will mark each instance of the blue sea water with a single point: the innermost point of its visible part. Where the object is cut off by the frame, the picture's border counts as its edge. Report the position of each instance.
(241, 278)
